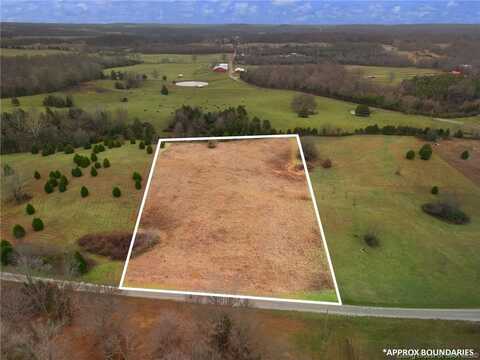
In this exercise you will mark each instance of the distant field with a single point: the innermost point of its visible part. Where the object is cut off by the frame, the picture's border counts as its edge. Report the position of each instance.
(66, 215)
(386, 75)
(148, 104)
(421, 261)
(29, 52)
(183, 59)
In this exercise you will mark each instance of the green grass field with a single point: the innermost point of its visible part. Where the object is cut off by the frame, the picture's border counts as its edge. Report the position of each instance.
(387, 75)
(338, 337)
(147, 103)
(421, 261)
(66, 215)
(29, 52)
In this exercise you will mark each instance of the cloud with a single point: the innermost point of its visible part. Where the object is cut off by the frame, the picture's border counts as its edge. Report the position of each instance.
(282, 2)
(396, 9)
(244, 8)
(452, 3)
(82, 6)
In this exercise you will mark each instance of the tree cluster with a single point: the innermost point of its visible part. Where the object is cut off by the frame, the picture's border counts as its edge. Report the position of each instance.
(193, 121)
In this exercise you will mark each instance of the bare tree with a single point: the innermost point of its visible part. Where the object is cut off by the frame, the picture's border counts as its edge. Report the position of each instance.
(34, 122)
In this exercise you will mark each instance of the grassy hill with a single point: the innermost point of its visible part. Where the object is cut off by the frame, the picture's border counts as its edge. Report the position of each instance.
(420, 261)
(389, 75)
(67, 216)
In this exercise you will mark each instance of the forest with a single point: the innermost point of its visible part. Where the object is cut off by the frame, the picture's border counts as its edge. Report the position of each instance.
(444, 95)
(28, 75)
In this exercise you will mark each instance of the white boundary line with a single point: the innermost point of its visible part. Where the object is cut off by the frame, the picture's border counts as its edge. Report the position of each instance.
(198, 293)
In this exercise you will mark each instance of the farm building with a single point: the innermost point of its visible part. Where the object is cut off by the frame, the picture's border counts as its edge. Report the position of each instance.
(221, 67)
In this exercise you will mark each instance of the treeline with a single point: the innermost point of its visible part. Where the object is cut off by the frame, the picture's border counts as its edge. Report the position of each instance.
(193, 121)
(443, 95)
(358, 53)
(28, 75)
(53, 130)
(427, 133)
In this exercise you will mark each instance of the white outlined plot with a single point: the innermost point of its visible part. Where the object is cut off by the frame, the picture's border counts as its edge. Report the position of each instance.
(216, 293)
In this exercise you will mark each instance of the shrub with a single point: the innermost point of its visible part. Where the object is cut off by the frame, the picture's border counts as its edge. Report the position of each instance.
(115, 245)
(37, 224)
(68, 149)
(51, 174)
(87, 146)
(34, 150)
(410, 155)
(76, 172)
(30, 209)
(371, 239)
(136, 176)
(116, 192)
(48, 187)
(53, 182)
(164, 90)
(78, 264)
(36, 175)
(465, 155)
(6, 252)
(133, 141)
(48, 150)
(162, 144)
(15, 101)
(84, 192)
(18, 231)
(362, 110)
(458, 134)
(93, 157)
(425, 152)
(141, 146)
(98, 148)
(98, 165)
(434, 190)
(212, 144)
(93, 171)
(63, 180)
(106, 163)
(77, 158)
(62, 187)
(327, 164)
(84, 162)
(57, 174)
(447, 212)
(310, 151)
(149, 149)
(138, 184)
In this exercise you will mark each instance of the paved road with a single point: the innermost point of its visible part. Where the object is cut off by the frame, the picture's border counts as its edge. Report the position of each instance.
(347, 310)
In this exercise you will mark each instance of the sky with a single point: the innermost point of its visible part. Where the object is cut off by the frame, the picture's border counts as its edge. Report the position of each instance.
(242, 11)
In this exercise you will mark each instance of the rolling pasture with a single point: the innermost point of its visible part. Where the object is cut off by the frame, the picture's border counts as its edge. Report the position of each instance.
(147, 103)
(388, 75)
(420, 261)
(67, 216)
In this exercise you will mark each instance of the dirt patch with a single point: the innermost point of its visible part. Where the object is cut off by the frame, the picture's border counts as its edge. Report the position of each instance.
(234, 219)
(115, 245)
(451, 150)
